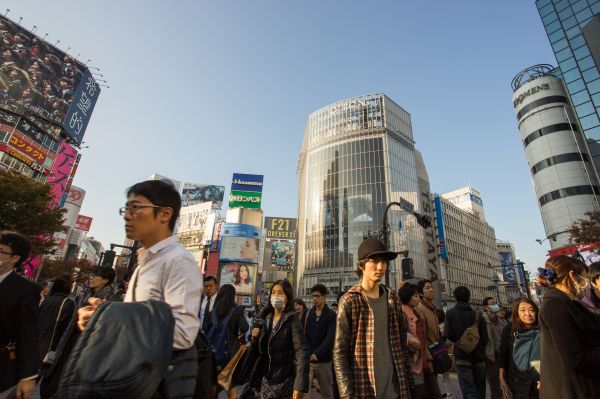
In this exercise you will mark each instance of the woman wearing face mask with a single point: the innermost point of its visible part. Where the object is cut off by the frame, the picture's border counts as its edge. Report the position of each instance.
(514, 382)
(570, 334)
(283, 364)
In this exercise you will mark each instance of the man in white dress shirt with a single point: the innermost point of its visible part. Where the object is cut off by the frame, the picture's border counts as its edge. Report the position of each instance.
(166, 271)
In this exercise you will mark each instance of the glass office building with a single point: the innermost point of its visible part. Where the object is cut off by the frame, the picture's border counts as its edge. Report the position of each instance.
(573, 29)
(357, 156)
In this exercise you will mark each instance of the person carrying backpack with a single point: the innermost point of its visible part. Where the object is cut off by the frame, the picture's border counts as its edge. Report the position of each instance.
(226, 325)
(467, 330)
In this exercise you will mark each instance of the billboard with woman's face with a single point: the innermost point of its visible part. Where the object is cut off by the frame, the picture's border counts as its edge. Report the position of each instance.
(241, 275)
(239, 243)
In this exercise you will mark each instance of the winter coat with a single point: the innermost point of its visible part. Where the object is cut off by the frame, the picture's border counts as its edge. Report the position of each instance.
(458, 319)
(283, 352)
(522, 384)
(570, 348)
(50, 319)
(320, 334)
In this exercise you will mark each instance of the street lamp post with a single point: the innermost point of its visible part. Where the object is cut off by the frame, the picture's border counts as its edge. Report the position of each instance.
(423, 220)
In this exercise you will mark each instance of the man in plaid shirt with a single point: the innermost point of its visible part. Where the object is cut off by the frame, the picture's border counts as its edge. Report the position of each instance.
(370, 325)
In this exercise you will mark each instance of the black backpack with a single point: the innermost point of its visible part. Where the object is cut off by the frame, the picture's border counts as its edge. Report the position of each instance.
(124, 352)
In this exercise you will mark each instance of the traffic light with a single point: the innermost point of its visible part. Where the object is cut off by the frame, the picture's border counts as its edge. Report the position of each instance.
(423, 220)
(109, 258)
(408, 270)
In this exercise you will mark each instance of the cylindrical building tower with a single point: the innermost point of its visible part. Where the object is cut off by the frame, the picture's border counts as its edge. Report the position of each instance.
(357, 156)
(564, 178)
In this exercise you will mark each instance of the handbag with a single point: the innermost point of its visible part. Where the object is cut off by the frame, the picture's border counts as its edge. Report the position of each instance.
(526, 348)
(441, 360)
(225, 378)
(50, 356)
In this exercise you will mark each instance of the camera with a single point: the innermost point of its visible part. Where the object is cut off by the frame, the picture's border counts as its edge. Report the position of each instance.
(258, 323)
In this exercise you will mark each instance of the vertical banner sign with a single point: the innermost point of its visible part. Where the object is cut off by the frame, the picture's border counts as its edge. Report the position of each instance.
(246, 191)
(440, 228)
(280, 228)
(82, 106)
(61, 171)
(508, 268)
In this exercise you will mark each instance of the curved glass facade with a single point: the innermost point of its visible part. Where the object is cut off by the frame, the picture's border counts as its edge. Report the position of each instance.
(358, 155)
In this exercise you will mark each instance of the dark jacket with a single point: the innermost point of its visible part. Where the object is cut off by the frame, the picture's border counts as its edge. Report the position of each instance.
(236, 326)
(570, 348)
(320, 334)
(52, 325)
(458, 319)
(19, 316)
(284, 352)
(521, 383)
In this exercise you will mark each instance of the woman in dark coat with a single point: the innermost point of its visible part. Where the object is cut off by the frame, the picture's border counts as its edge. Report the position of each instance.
(55, 313)
(283, 364)
(520, 384)
(570, 334)
(236, 326)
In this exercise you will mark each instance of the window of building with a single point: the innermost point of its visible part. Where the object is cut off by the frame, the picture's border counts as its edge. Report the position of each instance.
(585, 109)
(566, 13)
(571, 75)
(589, 121)
(580, 98)
(556, 36)
(591, 75)
(576, 86)
(567, 64)
(577, 41)
(564, 54)
(553, 27)
(579, 5)
(583, 16)
(569, 23)
(573, 32)
(581, 53)
(561, 5)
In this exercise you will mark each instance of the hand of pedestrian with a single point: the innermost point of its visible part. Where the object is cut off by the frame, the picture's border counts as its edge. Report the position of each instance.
(506, 394)
(429, 367)
(313, 358)
(24, 389)
(297, 395)
(85, 313)
(255, 332)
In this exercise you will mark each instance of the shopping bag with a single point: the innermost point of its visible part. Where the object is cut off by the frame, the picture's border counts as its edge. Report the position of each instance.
(225, 378)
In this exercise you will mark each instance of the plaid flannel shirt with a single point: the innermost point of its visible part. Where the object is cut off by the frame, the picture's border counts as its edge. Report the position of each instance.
(361, 343)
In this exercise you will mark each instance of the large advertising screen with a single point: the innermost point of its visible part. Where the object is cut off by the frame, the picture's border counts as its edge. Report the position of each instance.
(241, 275)
(38, 77)
(198, 193)
(508, 268)
(239, 242)
(282, 253)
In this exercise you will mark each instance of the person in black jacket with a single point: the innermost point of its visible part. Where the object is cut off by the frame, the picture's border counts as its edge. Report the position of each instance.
(320, 334)
(236, 326)
(570, 334)
(514, 382)
(283, 364)
(470, 367)
(19, 316)
(55, 314)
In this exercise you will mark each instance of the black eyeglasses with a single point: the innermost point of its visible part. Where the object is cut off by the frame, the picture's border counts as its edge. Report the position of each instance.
(134, 208)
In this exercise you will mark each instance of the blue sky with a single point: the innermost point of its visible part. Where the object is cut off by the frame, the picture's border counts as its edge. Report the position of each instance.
(199, 90)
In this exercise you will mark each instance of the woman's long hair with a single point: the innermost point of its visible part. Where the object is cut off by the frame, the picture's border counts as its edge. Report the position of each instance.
(237, 279)
(560, 266)
(517, 324)
(225, 301)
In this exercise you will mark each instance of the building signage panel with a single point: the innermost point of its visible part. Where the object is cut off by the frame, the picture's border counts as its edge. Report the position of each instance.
(241, 275)
(239, 242)
(440, 228)
(61, 171)
(245, 182)
(82, 106)
(281, 228)
(529, 92)
(83, 223)
(245, 199)
(508, 268)
(27, 147)
(198, 193)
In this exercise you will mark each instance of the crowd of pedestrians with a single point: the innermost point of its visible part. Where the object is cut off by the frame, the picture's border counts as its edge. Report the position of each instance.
(375, 343)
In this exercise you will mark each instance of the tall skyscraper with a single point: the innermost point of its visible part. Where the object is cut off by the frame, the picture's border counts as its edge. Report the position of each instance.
(573, 28)
(358, 155)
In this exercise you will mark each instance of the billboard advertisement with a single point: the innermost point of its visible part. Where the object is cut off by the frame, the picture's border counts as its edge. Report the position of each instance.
(239, 242)
(198, 193)
(241, 275)
(440, 228)
(39, 78)
(83, 223)
(280, 228)
(246, 191)
(508, 268)
(282, 254)
(61, 171)
(587, 252)
(193, 218)
(175, 183)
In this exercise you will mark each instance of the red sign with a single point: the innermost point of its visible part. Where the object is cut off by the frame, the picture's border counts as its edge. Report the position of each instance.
(83, 223)
(570, 250)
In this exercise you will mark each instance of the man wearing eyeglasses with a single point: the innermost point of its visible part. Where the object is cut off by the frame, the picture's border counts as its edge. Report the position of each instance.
(166, 272)
(19, 316)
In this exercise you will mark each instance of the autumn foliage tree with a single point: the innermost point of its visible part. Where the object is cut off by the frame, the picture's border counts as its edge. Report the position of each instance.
(79, 269)
(587, 230)
(24, 209)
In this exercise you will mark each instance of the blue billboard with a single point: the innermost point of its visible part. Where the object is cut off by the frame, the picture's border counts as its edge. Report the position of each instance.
(239, 243)
(440, 228)
(508, 268)
(244, 182)
(82, 106)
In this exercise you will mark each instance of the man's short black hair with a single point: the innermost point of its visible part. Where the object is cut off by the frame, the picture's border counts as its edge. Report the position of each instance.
(486, 300)
(406, 292)
(105, 272)
(320, 288)
(421, 285)
(159, 193)
(18, 244)
(594, 271)
(462, 294)
(211, 278)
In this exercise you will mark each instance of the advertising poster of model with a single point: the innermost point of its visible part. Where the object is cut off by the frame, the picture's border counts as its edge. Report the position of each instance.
(241, 275)
(239, 243)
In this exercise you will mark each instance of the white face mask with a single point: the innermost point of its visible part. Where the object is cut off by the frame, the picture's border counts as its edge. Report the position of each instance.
(495, 308)
(277, 302)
